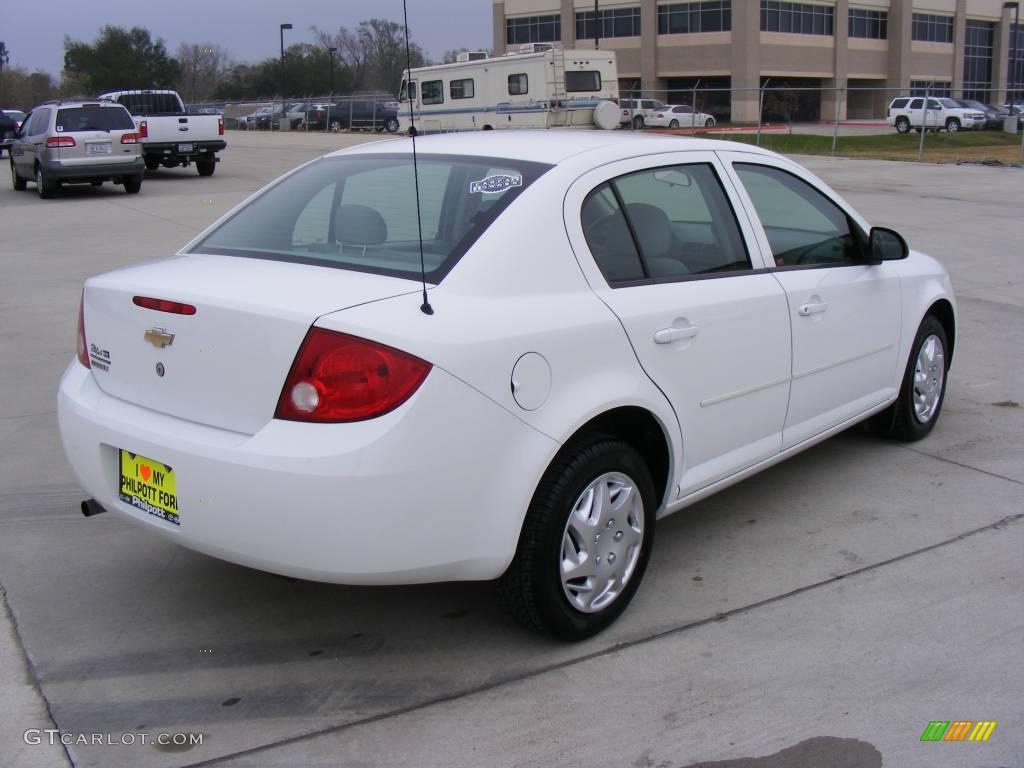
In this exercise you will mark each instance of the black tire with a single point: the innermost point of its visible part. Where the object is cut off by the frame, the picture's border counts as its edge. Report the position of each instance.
(20, 184)
(638, 122)
(673, 124)
(132, 184)
(952, 125)
(206, 167)
(45, 186)
(709, 123)
(152, 163)
(391, 125)
(900, 420)
(902, 125)
(531, 588)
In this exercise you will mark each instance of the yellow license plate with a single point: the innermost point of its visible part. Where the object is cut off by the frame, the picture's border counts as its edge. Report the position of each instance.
(148, 485)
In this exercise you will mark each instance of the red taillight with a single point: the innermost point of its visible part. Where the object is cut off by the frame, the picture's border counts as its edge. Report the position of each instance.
(83, 348)
(130, 138)
(337, 377)
(56, 142)
(143, 129)
(220, 126)
(163, 305)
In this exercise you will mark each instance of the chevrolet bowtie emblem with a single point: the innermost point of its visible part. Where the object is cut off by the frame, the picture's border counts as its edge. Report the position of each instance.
(159, 338)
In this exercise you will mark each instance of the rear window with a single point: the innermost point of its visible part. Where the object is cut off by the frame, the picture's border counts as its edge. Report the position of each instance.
(359, 213)
(150, 103)
(93, 119)
(583, 82)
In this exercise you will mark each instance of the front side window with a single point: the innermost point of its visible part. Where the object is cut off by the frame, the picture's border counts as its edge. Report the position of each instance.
(462, 89)
(803, 226)
(518, 85)
(408, 91)
(433, 92)
(663, 224)
(360, 213)
(587, 81)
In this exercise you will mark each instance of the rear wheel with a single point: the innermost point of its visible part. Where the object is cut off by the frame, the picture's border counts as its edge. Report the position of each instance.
(45, 186)
(952, 125)
(206, 167)
(923, 391)
(585, 542)
(152, 163)
(902, 125)
(674, 124)
(17, 181)
(132, 184)
(638, 122)
(391, 125)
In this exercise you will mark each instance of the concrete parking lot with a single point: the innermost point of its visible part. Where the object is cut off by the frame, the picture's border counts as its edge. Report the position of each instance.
(820, 614)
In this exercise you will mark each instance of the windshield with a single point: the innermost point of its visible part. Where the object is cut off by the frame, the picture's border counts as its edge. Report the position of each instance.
(359, 213)
(93, 119)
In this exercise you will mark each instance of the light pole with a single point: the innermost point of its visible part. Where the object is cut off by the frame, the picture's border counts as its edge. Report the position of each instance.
(331, 52)
(597, 24)
(1015, 7)
(283, 28)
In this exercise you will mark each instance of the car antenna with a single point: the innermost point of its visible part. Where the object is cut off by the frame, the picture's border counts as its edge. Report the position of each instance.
(425, 307)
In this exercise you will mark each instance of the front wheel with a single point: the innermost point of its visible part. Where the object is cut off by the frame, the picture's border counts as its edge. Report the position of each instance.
(709, 123)
(585, 542)
(923, 391)
(902, 125)
(952, 125)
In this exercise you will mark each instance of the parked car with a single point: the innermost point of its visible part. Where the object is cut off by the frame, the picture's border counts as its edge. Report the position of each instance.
(76, 142)
(680, 116)
(993, 118)
(906, 112)
(603, 343)
(362, 114)
(636, 112)
(316, 117)
(10, 121)
(170, 136)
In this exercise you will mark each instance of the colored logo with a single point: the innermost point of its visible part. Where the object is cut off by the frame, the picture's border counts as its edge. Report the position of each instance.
(958, 730)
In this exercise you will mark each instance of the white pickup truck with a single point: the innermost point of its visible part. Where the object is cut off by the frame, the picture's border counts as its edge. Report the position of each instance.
(169, 135)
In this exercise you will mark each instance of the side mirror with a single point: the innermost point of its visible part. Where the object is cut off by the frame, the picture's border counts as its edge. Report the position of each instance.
(887, 245)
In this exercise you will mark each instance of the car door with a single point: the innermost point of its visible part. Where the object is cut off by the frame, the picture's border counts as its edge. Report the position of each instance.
(662, 244)
(30, 142)
(844, 309)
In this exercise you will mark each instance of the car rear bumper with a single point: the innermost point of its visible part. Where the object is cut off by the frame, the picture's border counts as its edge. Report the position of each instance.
(56, 169)
(199, 148)
(433, 491)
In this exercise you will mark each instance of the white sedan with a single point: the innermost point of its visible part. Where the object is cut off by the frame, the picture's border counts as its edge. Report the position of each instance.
(680, 116)
(590, 339)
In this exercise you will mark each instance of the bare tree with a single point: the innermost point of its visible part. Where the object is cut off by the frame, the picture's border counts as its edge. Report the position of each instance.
(373, 54)
(204, 67)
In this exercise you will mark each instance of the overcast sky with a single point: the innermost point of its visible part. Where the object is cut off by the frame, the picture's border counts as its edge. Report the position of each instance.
(248, 30)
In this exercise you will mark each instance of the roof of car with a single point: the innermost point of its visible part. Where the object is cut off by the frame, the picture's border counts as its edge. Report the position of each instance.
(548, 146)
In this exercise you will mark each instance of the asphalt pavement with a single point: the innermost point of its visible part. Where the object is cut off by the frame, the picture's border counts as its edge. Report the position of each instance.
(820, 614)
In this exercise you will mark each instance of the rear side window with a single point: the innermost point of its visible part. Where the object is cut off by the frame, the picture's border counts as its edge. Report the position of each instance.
(674, 222)
(518, 85)
(93, 119)
(583, 82)
(899, 103)
(359, 213)
(39, 122)
(150, 103)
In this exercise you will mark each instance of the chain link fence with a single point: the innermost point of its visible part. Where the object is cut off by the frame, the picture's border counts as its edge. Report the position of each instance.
(332, 112)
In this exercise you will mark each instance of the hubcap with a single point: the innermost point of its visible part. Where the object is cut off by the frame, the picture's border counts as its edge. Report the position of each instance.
(601, 542)
(929, 378)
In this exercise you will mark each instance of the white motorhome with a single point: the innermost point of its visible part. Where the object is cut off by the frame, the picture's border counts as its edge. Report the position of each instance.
(538, 86)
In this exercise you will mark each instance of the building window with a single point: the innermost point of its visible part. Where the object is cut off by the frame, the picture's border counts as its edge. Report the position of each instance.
(620, 22)
(979, 40)
(533, 29)
(929, 28)
(1016, 69)
(871, 25)
(684, 18)
(796, 18)
(933, 88)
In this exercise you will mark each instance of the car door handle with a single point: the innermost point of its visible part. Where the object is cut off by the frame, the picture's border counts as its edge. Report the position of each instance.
(806, 310)
(668, 335)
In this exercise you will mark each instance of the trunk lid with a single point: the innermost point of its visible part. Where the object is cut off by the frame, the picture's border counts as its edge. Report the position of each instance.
(226, 364)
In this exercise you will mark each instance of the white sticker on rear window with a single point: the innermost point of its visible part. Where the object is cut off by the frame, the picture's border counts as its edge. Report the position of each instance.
(497, 183)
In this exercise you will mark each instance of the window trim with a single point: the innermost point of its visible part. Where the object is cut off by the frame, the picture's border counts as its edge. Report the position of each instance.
(648, 280)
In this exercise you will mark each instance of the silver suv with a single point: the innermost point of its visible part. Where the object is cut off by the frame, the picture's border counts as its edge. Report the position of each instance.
(77, 142)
